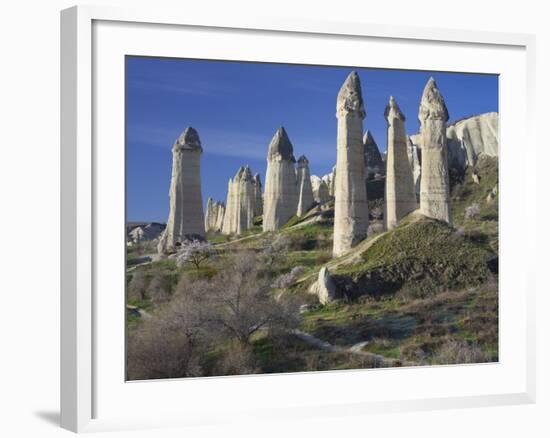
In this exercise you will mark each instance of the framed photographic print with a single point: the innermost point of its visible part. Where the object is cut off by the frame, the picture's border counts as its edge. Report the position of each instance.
(252, 209)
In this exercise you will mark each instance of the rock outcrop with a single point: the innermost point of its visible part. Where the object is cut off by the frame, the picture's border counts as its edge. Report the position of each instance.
(467, 140)
(400, 190)
(241, 199)
(186, 219)
(213, 218)
(434, 181)
(229, 216)
(413, 153)
(373, 159)
(258, 202)
(351, 216)
(470, 138)
(320, 190)
(305, 190)
(324, 287)
(329, 179)
(148, 231)
(281, 191)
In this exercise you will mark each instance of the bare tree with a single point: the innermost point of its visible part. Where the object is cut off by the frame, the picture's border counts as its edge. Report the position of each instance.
(194, 252)
(242, 303)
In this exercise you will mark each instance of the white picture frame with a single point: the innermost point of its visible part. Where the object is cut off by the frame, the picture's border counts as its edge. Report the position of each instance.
(85, 375)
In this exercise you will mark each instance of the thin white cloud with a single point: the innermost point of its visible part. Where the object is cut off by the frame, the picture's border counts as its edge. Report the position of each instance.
(229, 143)
(199, 88)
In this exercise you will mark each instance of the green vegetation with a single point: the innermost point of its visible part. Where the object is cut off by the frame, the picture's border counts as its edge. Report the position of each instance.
(423, 293)
(419, 258)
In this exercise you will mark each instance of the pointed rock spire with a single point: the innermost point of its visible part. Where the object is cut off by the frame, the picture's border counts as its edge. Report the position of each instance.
(350, 98)
(432, 105)
(305, 191)
(393, 111)
(373, 159)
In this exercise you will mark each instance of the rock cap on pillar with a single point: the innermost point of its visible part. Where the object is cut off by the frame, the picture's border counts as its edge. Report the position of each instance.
(280, 147)
(432, 104)
(189, 140)
(393, 111)
(350, 98)
(303, 161)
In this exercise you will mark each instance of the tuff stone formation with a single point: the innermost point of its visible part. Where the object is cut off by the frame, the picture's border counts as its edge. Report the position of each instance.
(213, 219)
(241, 199)
(467, 140)
(351, 217)
(324, 287)
(329, 179)
(400, 189)
(186, 219)
(434, 181)
(281, 191)
(258, 203)
(320, 190)
(229, 217)
(413, 153)
(373, 159)
(305, 190)
(470, 138)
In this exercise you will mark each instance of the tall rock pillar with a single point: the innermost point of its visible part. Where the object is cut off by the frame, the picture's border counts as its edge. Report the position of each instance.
(258, 200)
(280, 194)
(400, 188)
(305, 190)
(351, 216)
(434, 181)
(186, 219)
(245, 197)
(228, 218)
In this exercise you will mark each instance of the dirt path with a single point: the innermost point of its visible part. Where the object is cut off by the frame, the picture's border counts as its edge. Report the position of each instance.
(378, 360)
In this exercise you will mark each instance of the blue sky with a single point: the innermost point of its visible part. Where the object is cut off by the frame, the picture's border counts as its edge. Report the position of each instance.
(236, 108)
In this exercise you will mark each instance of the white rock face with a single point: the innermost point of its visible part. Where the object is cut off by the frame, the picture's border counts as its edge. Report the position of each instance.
(471, 138)
(258, 203)
(305, 190)
(324, 287)
(400, 190)
(467, 140)
(241, 199)
(246, 198)
(220, 216)
(434, 181)
(281, 189)
(351, 216)
(329, 179)
(373, 159)
(413, 153)
(186, 219)
(229, 216)
(213, 218)
(320, 190)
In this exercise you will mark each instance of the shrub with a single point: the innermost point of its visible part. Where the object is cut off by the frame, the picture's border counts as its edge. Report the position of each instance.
(459, 351)
(286, 280)
(472, 212)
